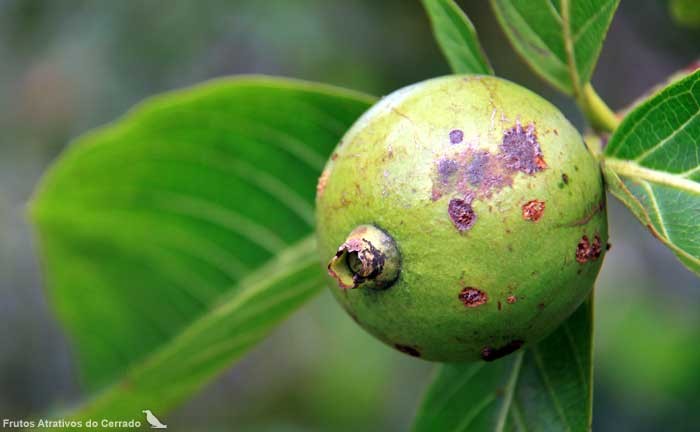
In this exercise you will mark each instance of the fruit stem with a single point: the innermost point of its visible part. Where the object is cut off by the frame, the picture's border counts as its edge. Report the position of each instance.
(598, 113)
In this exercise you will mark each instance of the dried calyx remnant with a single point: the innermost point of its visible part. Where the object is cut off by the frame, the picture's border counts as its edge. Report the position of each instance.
(368, 258)
(476, 174)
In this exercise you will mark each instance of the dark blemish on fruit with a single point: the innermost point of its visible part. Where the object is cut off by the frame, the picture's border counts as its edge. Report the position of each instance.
(334, 156)
(582, 250)
(490, 354)
(472, 297)
(587, 250)
(521, 151)
(533, 210)
(461, 213)
(406, 349)
(456, 136)
(446, 168)
(565, 178)
(556, 132)
(511, 299)
(608, 246)
(476, 170)
(478, 174)
(596, 247)
(499, 305)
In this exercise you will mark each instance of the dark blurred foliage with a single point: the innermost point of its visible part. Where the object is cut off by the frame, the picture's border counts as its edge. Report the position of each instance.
(67, 66)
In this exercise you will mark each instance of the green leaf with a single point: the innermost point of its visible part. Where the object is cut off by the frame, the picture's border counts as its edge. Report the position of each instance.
(457, 38)
(182, 366)
(652, 164)
(547, 387)
(149, 225)
(559, 39)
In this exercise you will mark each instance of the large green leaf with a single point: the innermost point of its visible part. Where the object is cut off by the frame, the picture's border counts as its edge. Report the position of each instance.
(147, 226)
(548, 387)
(457, 38)
(559, 39)
(652, 164)
(182, 366)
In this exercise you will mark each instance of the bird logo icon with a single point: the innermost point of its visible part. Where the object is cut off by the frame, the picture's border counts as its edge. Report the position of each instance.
(153, 420)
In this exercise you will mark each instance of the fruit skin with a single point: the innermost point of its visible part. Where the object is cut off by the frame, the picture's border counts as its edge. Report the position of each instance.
(494, 203)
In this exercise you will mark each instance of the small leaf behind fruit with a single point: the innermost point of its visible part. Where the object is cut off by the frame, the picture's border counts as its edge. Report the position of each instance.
(560, 40)
(156, 231)
(548, 387)
(457, 38)
(652, 164)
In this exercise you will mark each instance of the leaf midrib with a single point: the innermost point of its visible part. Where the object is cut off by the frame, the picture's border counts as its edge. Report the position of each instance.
(633, 170)
(510, 391)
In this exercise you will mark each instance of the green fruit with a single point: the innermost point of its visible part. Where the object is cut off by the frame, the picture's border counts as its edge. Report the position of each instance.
(461, 218)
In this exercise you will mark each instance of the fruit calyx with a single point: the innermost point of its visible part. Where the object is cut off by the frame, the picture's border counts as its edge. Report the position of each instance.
(368, 258)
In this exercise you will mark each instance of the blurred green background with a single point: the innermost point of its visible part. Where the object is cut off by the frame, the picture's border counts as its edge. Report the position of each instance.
(68, 66)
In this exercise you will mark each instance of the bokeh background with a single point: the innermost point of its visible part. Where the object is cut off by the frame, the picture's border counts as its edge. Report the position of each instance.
(68, 66)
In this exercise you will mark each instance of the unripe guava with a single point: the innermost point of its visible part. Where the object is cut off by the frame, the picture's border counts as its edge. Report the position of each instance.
(461, 218)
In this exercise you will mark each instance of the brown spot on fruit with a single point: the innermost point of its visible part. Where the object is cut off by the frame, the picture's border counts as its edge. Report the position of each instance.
(533, 210)
(595, 247)
(511, 299)
(406, 349)
(322, 181)
(540, 162)
(472, 297)
(608, 246)
(490, 354)
(461, 213)
(500, 306)
(456, 136)
(582, 250)
(521, 151)
(587, 250)
(565, 178)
